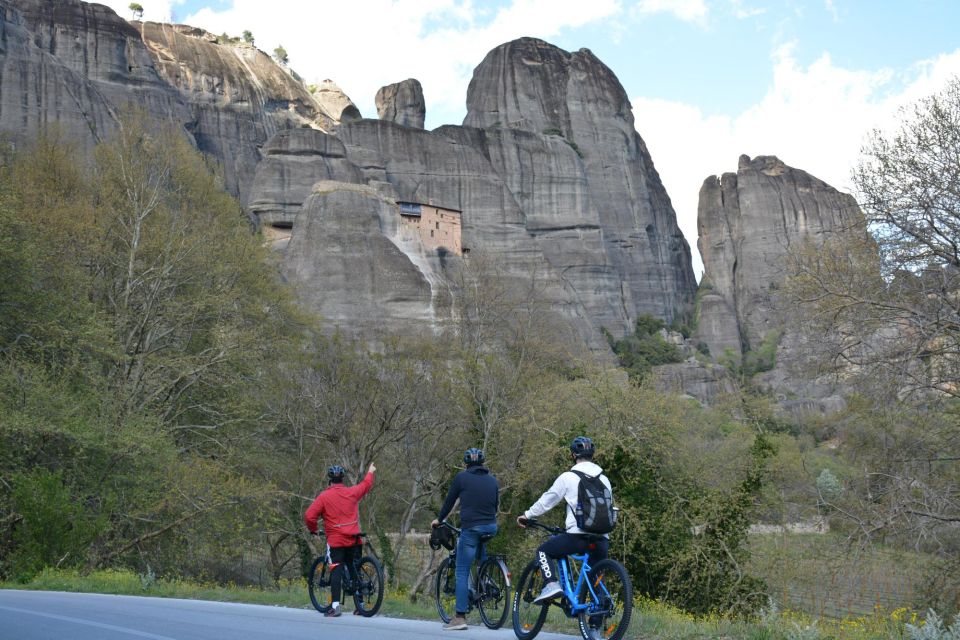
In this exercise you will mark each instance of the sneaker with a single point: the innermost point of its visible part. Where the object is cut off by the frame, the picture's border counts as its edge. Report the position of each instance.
(357, 612)
(333, 612)
(457, 623)
(550, 591)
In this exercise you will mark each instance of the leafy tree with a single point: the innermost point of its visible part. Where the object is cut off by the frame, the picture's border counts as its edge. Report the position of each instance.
(136, 10)
(248, 37)
(280, 55)
(140, 315)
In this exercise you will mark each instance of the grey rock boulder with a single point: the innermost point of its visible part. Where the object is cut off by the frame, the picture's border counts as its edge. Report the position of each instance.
(75, 65)
(345, 267)
(704, 382)
(238, 96)
(402, 103)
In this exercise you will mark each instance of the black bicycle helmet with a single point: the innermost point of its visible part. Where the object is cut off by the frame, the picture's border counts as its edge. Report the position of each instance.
(473, 456)
(336, 473)
(582, 447)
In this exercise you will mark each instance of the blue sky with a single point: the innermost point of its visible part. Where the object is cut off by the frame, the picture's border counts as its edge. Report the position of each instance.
(709, 79)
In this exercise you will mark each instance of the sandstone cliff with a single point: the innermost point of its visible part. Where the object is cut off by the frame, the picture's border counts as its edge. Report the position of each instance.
(553, 182)
(560, 130)
(599, 245)
(237, 95)
(76, 65)
(747, 223)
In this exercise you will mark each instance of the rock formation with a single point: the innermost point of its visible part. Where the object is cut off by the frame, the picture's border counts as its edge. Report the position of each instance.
(747, 223)
(335, 103)
(237, 95)
(77, 65)
(74, 65)
(559, 128)
(402, 103)
(539, 196)
(343, 245)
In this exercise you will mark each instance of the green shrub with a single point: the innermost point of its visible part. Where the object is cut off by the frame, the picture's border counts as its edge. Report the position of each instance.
(54, 529)
(645, 348)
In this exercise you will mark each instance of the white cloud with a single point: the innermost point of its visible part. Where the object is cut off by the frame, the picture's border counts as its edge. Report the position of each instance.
(814, 118)
(686, 10)
(742, 11)
(832, 10)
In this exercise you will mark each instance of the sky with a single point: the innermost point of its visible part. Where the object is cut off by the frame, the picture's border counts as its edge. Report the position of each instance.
(709, 80)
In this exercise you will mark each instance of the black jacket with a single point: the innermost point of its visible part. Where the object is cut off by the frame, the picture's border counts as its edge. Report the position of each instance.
(479, 495)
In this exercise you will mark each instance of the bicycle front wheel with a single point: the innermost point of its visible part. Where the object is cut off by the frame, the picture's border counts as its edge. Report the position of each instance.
(368, 594)
(493, 593)
(445, 589)
(318, 585)
(610, 605)
(528, 617)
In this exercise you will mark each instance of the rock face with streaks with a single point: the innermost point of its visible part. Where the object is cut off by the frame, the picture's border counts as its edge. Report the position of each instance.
(343, 244)
(402, 103)
(748, 221)
(555, 186)
(560, 192)
(76, 65)
(237, 95)
(559, 128)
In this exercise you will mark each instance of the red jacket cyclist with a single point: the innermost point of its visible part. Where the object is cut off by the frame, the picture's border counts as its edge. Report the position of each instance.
(339, 506)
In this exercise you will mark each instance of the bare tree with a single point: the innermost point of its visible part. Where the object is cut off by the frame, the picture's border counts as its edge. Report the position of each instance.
(879, 307)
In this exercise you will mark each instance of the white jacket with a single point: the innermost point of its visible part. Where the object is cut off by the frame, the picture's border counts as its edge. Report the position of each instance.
(566, 487)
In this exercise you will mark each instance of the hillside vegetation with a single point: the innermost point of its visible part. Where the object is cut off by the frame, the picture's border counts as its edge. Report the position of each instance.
(167, 410)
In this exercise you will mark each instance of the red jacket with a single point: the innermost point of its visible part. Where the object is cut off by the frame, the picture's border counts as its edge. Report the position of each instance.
(339, 506)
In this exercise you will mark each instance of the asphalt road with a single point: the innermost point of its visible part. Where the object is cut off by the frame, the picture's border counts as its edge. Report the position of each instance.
(51, 615)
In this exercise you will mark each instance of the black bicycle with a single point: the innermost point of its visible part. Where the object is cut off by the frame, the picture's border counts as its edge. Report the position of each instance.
(363, 579)
(489, 585)
(600, 597)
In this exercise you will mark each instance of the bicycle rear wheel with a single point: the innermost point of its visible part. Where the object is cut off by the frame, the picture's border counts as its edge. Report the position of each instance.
(368, 593)
(608, 614)
(493, 593)
(445, 589)
(528, 618)
(318, 585)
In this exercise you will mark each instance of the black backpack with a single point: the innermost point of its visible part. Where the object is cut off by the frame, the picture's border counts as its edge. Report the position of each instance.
(595, 512)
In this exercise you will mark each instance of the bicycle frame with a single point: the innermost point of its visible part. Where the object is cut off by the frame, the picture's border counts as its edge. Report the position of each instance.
(570, 572)
(567, 571)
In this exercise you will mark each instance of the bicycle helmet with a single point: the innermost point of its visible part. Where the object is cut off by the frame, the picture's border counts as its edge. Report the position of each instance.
(335, 473)
(582, 447)
(473, 456)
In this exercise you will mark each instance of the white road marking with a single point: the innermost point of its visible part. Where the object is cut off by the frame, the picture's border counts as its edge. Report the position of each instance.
(90, 623)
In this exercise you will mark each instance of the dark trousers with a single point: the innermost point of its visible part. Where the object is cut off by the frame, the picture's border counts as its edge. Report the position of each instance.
(342, 557)
(566, 544)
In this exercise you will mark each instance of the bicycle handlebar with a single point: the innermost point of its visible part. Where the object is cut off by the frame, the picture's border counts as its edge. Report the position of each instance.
(536, 524)
(450, 526)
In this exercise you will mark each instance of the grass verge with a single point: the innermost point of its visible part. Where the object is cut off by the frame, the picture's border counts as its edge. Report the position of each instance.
(651, 619)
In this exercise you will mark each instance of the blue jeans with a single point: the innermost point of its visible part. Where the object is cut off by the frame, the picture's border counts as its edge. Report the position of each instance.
(467, 547)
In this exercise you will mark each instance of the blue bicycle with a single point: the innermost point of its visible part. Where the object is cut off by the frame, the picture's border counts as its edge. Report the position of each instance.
(600, 597)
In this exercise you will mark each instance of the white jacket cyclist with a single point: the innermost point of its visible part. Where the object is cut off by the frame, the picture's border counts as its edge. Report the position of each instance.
(567, 488)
